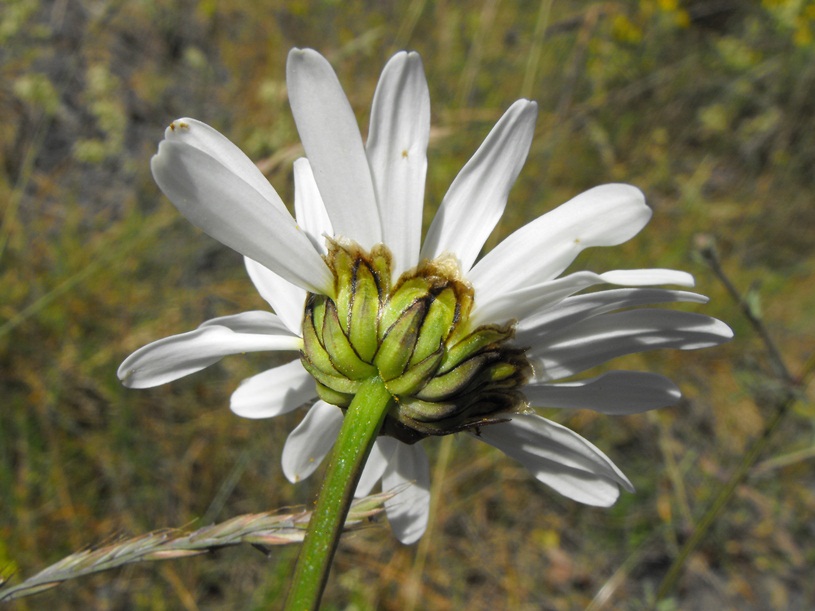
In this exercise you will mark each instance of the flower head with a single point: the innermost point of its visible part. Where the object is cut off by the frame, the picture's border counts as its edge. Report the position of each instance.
(462, 345)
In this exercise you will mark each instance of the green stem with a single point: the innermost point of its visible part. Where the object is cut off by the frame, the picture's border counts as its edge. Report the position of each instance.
(360, 426)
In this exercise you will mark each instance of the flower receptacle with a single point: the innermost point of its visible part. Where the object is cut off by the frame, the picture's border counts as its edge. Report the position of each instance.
(414, 335)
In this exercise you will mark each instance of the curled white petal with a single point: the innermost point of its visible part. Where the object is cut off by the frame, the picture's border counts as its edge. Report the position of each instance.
(603, 216)
(408, 473)
(312, 439)
(615, 393)
(397, 153)
(180, 355)
(212, 142)
(273, 392)
(333, 144)
(605, 337)
(538, 326)
(558, 457)
(477, 197)
(221, 203)
(528, 301)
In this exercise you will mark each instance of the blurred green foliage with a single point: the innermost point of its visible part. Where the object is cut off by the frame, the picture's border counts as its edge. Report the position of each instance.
(707, 105)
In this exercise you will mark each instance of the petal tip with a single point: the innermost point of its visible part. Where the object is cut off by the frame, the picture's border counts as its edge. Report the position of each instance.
(125, 375)
(305, 54)
(725, 330)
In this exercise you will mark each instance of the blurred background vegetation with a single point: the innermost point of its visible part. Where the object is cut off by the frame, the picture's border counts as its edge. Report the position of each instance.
(707, 105)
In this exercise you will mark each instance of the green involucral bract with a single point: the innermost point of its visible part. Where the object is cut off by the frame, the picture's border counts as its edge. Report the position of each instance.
(414, 334)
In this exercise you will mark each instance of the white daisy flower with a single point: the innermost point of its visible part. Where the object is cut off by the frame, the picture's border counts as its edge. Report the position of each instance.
(462, 345)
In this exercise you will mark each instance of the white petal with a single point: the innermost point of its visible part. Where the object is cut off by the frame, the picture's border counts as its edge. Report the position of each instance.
(603, 216)
(615, 393)
(309, 208)
(212, 142)
(648, 277)
(605, 337)
(408, 471)
(397, 154)
(477, 198)
(221, 203)
(559, 458)
(333, 144)
(375, 465)
(287, 300)
(526, 301)
(274, 392)
(177, 356)
(311, 441)
(535, 328)
(255, 321)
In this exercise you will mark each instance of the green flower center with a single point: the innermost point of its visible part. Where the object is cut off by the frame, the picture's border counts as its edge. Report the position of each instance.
(444, 375)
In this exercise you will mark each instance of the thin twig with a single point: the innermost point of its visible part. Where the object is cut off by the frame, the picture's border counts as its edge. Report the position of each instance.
(707, 249)
(260, 530)
(724, 496)
(783, 406)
